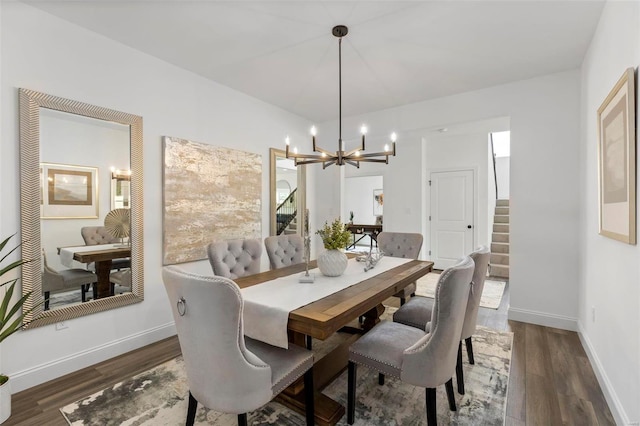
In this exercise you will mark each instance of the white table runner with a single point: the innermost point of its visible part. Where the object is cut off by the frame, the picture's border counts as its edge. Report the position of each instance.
(267, 305)
(66, 253)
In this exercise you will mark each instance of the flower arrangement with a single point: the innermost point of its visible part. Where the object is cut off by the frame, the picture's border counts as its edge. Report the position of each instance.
(334, 236)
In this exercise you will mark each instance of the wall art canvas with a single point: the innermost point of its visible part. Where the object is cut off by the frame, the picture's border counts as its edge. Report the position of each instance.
(210, 193)
(68, 192)
(617, 161)
(378, 202)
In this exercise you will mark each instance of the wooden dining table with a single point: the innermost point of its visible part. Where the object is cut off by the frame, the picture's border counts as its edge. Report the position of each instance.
(324, 317)
(103, 258)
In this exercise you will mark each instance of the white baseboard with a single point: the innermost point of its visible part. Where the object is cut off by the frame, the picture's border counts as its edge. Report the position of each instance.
(543, 318)
(39, 374)
(617, 410)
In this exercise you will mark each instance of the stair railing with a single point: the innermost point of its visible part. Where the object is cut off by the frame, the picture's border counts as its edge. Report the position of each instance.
(493, 156)
(286, 212)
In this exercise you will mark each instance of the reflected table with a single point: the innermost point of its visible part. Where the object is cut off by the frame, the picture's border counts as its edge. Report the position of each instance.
(366, 230)
(102, 256)
(324, 317)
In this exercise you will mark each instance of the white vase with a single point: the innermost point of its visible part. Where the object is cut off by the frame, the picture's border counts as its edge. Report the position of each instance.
(5, 401)
(332, 263)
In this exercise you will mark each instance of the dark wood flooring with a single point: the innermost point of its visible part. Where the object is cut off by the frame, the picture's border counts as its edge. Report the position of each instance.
(551, 380)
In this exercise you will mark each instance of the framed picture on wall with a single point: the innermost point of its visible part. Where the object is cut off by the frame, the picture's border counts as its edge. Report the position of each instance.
(68, 191)
(378, 202)
(617, 161)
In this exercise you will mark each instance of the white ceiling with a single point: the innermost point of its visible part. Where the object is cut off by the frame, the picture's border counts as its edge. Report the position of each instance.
(395, 53)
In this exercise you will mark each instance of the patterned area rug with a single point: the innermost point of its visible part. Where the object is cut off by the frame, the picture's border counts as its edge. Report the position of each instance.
(159, 397)
(491, 293)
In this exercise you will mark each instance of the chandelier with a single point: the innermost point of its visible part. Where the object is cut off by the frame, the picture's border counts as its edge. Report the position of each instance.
(341, 157)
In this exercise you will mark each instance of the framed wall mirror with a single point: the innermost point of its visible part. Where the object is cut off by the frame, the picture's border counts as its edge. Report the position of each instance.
(287, 191)
(81, 174)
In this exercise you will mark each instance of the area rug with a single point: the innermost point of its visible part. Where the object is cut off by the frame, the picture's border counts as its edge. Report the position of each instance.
(159, 397)
(491, 294)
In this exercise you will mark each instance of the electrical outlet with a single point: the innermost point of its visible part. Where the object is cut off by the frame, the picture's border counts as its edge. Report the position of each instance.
(61, 325)
(593, 313)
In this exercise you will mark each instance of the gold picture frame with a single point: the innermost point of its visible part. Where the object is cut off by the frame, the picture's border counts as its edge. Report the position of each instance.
(69, 191)
(617, 161)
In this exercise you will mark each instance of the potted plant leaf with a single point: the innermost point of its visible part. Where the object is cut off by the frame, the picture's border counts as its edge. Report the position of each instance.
(11, 317)
(332, 262)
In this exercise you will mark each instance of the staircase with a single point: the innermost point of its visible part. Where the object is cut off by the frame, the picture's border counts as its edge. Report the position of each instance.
(499, 263)
(292, 228)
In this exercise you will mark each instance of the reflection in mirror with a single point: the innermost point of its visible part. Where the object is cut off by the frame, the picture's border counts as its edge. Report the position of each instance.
(364, 197)
(287, 194)
(81, 171)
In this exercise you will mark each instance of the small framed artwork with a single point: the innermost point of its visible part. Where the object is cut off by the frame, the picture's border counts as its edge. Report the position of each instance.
(617, 161)
(378, 202)
(68, 192)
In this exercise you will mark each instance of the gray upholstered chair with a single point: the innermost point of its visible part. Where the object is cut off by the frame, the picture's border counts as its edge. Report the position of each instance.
(417, 311)
(227, 371)
(64, 280)
(401, 244)
(95, 235)
(235, 258)
(121, 278)
(425, 359)
(284, 250)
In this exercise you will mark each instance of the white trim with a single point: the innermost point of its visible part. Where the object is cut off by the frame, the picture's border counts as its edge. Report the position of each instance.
(34, 376)
(543, 318)
(617, 410)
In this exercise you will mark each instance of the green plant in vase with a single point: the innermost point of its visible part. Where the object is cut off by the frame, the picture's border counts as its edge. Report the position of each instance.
(335, 238)
(11, 318)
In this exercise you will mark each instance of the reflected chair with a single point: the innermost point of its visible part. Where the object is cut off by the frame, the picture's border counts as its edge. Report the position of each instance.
(284, 250)
(425, 359)
(418, 310)
(95, 235)
(227, 371)
(235, 258)
(401, 244)
(67, 279)
(121, 278)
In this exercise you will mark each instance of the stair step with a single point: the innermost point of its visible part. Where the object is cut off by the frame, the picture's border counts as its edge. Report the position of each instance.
(502, 210)
(499, 248)
(501, 227)
(499, 259)
(500, 237)
(501, 218)
(501, 271)
(502, 203)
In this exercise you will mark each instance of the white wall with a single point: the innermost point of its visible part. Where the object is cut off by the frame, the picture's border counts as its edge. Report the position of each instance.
(544, 118)
(46, 54)
(609, 274)
(358, 198)
(502, 173)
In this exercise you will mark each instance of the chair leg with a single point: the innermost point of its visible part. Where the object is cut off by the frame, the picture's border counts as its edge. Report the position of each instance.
(242, 419)
(46, 300)
(450, 396)
(95, 291)
(351, 393)
(380, 379)
(431, 406)
(191, 411)
(459, 372)
(402, 301)
(83, 296)
(469, 346)
(309, 342)
(413, 294)
(309, 399)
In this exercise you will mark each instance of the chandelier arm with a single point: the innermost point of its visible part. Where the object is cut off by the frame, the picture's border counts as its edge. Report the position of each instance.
(328, 163)
(324, 151)
(376, 154)
(374, 160)
(311, 161)
(353, 163)
(308, 156)
(353, 151)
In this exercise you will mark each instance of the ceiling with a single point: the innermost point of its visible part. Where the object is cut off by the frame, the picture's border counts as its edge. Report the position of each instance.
(396, 52)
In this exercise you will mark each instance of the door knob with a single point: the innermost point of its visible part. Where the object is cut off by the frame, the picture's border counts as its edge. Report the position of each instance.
(469, 226)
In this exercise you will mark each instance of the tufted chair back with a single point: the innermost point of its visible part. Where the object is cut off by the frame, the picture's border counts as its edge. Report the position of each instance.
(235, 258)
(481, 258)
(94, 235)
(440, 346)
(222, 373)
(400, 244)
(284, 250)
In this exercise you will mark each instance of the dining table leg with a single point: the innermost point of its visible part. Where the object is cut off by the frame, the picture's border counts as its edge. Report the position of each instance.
(103, 271)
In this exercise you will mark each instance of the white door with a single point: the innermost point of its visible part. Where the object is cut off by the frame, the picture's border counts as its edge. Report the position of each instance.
(451, 216)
